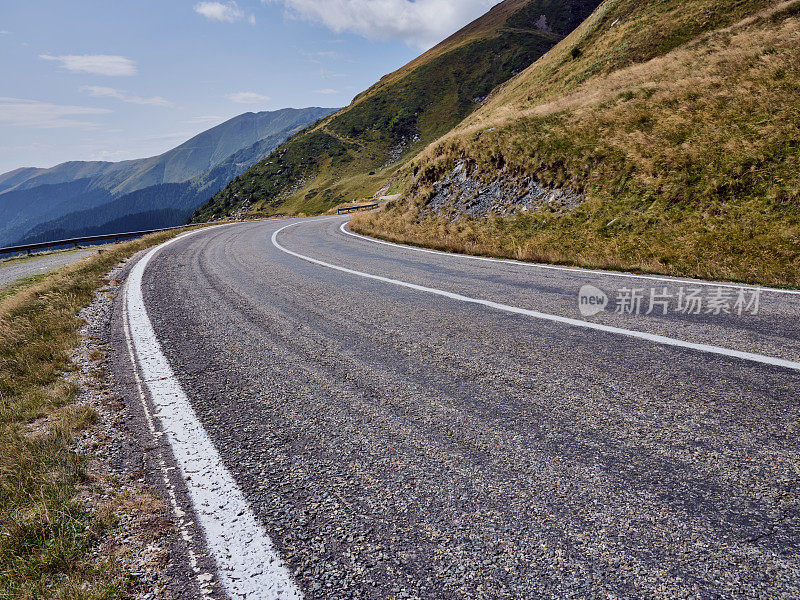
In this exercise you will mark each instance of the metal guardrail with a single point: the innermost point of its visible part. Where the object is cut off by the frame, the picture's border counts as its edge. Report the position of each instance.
(347, 209)
(28, 248)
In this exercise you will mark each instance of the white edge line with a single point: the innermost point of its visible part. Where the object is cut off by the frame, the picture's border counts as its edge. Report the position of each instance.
(576, 270)
(247, 563)
(203, 584)
(658, 339)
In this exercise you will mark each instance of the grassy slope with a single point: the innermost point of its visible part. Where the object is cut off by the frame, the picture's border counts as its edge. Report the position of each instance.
(46, 534)
(679, 121)
(348, 154)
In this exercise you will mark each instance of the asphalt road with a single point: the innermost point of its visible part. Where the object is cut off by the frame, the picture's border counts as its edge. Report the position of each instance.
(399, 443)
(16, 269)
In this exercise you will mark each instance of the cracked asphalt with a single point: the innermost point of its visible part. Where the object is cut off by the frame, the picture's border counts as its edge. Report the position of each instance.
(397, 444)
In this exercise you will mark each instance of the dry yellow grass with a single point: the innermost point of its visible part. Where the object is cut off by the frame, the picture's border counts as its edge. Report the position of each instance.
(688, 161)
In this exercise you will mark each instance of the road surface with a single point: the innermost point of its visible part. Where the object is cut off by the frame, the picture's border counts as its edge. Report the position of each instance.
(408, 424)
(16, 269)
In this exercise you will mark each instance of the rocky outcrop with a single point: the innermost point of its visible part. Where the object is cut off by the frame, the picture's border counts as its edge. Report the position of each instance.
(462, 194)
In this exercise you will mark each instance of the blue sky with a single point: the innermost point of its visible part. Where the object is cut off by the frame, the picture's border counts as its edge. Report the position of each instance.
(109, 80)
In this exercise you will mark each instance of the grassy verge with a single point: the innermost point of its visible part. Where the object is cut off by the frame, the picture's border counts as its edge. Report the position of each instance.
(46, 533)
(19, 285)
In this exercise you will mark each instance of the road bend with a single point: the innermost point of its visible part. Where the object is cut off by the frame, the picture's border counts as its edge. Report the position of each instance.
(409, 424)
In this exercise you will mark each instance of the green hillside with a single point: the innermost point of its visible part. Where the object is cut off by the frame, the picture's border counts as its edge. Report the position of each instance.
(359, 149)
(673, 127)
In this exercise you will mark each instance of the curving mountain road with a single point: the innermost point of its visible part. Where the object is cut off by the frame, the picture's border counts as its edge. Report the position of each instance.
(408, 424)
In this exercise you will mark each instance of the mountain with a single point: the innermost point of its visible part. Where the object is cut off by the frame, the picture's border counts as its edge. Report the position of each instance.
(359, 149)
(156, 206)
(659, 136)
(193, 157)
(41, 204)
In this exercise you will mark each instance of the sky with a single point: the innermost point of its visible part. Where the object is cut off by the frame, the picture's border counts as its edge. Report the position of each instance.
(110, 80)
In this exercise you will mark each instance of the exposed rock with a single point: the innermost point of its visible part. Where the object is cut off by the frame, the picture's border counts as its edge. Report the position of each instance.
(542, 25)
(242, 208)
(296, 186)
(396, 152)
(462, 194)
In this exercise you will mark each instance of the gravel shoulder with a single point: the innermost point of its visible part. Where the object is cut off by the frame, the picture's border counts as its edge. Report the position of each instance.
(150, 540)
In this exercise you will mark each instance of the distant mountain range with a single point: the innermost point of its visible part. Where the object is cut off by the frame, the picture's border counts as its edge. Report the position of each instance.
(87, 198)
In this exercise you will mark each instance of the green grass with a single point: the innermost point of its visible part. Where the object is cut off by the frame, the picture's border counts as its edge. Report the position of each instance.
(46, 532)
(678, 122)
(20, 284)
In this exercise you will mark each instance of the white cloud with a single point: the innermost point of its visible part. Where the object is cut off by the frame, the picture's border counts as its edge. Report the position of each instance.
(99, 64)
(107, 92)
(4, 32)
(247, 98)
(318, 57)
(421, 23)
(203, 119)
(111, 155)
(328, 91)
(32, 147)
(217, 11)
(326, 74)
(44, 115)
(251, 19)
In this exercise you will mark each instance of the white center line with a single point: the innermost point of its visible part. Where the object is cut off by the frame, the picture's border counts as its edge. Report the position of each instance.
(247, 562)
(658, 339)
(576, 270)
